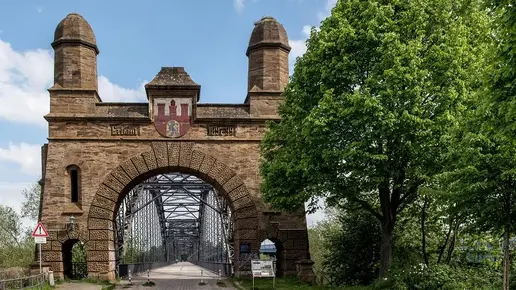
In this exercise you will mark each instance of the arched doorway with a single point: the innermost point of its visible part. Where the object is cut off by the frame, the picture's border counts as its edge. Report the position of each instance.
(170, 218)
(74, 259)
(163, 159)
(272, 249)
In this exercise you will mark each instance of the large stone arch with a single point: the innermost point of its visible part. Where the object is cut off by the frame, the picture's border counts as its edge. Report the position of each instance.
(164, 157)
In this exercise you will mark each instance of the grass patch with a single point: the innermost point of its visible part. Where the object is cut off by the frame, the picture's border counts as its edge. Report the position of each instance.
(221, 284)
(202, 283)
(149, 284)
(108, 287)
(281, 284)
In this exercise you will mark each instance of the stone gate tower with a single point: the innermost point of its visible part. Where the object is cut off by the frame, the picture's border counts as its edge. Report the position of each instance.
(98, 151)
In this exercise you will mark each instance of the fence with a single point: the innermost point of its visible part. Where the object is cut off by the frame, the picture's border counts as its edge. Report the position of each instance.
(29, 282)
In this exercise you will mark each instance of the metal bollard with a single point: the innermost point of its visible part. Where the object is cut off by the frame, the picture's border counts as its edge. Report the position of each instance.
(202, 281)
(148, 275)
(220, 275)
(130, 278)
(51, 278)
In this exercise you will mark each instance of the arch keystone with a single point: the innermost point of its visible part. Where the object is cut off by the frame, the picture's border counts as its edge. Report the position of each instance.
(173, 153)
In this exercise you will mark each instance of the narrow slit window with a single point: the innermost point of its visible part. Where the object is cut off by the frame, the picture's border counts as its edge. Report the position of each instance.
(74, 185)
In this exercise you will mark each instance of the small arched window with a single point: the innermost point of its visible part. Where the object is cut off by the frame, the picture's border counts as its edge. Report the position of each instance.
(74, 175)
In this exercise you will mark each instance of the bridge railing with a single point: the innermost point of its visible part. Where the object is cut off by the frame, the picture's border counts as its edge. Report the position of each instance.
(29, 282)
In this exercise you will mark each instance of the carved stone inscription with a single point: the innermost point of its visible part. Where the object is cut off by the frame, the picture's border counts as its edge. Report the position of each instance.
(221, 131)
(125, 130)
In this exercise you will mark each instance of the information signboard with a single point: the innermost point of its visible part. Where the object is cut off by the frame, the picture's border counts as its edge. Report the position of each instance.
(263, 269)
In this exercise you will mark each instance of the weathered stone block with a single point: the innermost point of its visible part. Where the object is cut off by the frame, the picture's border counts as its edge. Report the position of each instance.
(120, 174)
(196, 161)
(150, 160)
(185, 155)
(140, 165)
(100, 213)
(130, 169)
(232, 183)
(173, 153)
(161, 153)
(51, 256)
(101, 235)
(103, 202)
(113, 183)
(108, 193)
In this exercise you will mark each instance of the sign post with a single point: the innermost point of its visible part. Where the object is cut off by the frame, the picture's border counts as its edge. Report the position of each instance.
(40, 235)
(263, 269)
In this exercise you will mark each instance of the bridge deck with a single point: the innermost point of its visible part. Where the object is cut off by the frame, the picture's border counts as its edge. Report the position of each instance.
(183, 275)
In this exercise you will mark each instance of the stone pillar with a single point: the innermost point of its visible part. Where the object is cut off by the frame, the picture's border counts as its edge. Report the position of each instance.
(305, 271)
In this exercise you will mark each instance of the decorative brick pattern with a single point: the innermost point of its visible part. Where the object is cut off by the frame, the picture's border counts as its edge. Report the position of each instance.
(130, 169)
(173, 153)
(108, 193)
(206, 165)
(103, 202)
(150, 160)
(120, 174)
(161, 153)
(113, 183)
(196, 161)
(232, 183)
(186, 154)
(100, 213)
(139, 163)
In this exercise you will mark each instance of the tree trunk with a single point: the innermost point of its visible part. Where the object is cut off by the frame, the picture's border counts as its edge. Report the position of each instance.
(423, 234)
(441, 252)
(452, 243)
(386, 247)
(506, 259)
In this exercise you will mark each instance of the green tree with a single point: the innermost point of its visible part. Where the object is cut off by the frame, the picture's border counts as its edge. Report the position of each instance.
(483, 171)
(16, 244)
(31, 205)
(368, 103)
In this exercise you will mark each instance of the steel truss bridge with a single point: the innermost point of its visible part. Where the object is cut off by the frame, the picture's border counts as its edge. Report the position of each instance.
(173, 217)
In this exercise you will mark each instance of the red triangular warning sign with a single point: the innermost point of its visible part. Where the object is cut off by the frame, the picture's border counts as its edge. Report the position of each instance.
(40, 231)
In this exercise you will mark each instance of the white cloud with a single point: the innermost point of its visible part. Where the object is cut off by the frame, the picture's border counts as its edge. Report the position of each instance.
(299, 45)
(110, 92)
(11, 194)
(327, 9)
(26, 156)
(25, 77)
(239, 5)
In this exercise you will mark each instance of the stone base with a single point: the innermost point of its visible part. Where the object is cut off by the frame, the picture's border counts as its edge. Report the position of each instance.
(104, 276)
(34, 268)
(305, 271)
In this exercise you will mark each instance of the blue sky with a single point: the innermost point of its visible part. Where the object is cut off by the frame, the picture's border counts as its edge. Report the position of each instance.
(135, 38)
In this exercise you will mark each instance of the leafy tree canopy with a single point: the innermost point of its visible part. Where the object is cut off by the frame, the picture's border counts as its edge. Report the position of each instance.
(369, 102)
